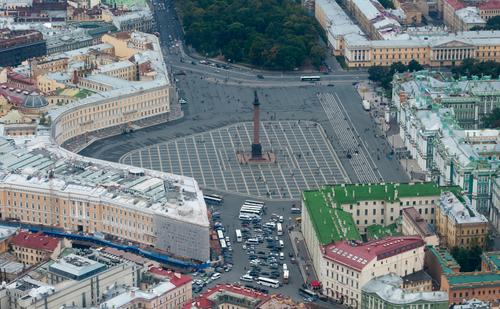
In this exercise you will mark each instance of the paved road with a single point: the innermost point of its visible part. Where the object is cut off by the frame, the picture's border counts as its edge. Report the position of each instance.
(213, 106)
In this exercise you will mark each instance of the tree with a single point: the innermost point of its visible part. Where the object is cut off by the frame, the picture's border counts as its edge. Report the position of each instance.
(493, 23)
(276, 34)
(468, 259)
(414, 66)
(492, 121)
(318, 53)
(387, 4)
(377, 73)
(398, 67)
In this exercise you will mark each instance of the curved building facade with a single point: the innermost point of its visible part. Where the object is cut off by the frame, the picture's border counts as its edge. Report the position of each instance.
(43, 183)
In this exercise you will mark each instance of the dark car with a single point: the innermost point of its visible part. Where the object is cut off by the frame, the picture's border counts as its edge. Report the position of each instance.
(260, 76)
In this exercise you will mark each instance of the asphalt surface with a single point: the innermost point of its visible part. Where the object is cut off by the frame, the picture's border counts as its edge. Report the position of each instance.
(217, 97)
(241, 262)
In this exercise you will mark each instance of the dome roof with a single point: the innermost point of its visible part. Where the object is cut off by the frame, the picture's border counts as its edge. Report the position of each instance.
(34, 100)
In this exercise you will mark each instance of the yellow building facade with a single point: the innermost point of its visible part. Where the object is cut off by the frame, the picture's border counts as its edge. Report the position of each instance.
(459, 225)
(445, 52)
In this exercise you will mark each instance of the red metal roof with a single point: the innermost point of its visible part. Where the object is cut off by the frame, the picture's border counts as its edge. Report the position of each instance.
(490, 5)
(455, 4)
(176, 279)
(37, 241)
(203, 301)
(358, 255)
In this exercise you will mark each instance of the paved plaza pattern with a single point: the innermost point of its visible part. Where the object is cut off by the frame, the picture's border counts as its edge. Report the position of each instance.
(349, 141)
(305, 159)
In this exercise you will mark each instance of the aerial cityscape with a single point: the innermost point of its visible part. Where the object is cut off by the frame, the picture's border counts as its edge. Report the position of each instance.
(250, 154)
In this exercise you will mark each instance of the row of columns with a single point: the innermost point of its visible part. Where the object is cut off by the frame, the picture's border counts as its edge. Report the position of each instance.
(453, 53)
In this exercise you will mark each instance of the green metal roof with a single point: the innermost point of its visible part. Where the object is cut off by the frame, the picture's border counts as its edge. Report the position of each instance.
(492, 259)
(444, 258)
(474, 278)
(353, 193)
(376, 231)
(330, 223)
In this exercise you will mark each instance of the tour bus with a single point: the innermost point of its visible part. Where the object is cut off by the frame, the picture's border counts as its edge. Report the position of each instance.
(268, 282)
(220, 234)
(295, 210)
(255, 202)
(246, 208)
(248, 217)
(239, 238)
(279, 229)
(250, 212)
(213, 199)
(223, 244)
(310, 78)
(253, 206)
(308, 293)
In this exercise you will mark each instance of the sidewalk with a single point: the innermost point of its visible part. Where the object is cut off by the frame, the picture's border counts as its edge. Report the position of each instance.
(302, 257)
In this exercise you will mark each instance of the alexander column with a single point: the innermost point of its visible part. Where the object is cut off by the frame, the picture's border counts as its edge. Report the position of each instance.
(256, 146)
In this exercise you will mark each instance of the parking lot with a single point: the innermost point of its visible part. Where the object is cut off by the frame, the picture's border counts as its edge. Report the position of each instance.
(304, 159)
(240, 258)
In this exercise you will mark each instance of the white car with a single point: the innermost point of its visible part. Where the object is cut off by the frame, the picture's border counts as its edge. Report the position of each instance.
(215, 276)
(244, 247)
(246, 278)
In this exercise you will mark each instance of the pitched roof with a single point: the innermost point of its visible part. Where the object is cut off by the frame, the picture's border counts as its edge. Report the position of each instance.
(175, 278)
(490, 5)
(357, 255)
(205, 300)
(37, 241)
(455, 4)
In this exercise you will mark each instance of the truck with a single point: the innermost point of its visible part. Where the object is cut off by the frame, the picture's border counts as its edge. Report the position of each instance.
(286, 275)
(366, 105)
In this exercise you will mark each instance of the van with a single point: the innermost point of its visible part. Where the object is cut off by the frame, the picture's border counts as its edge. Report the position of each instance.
(246, 278)
(281, 244)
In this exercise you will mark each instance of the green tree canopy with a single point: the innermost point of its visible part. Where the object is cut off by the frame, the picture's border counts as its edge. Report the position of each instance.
(468, 259)
(276, 34)
(492, 121)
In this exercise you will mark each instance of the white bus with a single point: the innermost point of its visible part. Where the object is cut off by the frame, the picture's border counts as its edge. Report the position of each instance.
(252, 206)
(255, 202)
(244, 208)
(248, 217)
(244, 211)
(213, 199)
(310, 78)
(223, 244)
(220, 234)
(268, 282)
(279, 229)
(239, 238)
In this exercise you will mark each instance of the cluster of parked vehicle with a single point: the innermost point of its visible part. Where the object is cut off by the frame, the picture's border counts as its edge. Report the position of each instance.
(264, 247)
